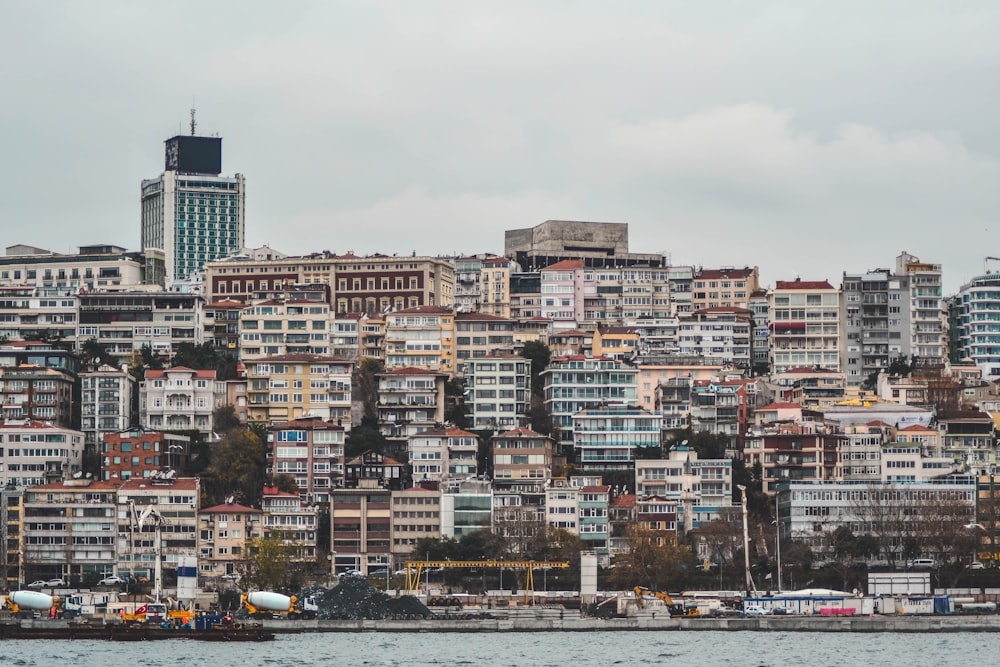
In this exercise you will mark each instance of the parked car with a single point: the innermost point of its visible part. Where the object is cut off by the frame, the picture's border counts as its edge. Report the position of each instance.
(113, 580)
(232, 576)
(36, 584)
(751, 610)
(380, 572)
(976, 565)
(55, 583)
(351, 573)
(922, 564)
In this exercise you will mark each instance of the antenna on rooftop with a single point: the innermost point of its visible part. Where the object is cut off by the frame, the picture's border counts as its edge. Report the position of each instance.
(194, 123)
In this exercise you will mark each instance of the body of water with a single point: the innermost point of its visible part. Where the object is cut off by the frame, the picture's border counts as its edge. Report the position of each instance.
(579, 649)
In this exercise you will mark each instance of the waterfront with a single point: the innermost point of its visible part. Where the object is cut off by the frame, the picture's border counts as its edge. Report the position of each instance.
(534, 649)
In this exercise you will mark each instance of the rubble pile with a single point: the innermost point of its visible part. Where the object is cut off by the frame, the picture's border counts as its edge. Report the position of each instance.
(356, 599)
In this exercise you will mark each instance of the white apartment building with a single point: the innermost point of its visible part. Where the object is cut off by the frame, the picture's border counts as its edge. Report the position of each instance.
(286, 325)
(127, 321)
(178, 398)
(498, 392)
(438, 454)
(105, 402)
(575, 383)
(34, 452)
(805, 325)
(410, 400)
(177, 501)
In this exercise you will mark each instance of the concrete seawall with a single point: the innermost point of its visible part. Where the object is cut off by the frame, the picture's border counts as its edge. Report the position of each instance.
(574, 623)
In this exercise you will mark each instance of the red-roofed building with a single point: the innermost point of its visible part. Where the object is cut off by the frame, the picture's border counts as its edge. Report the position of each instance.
(370, 284)
(311, 451)
(805, 320)
(718, 332)
(69, 530)
(37, 393)
(141, 454)
(285, 516)
(522, 459)
(178, 399)
(726, 287)
(177, 500)
(621, 517)
(223, 532)
(563, 293)
(373, 470)
(778, 412)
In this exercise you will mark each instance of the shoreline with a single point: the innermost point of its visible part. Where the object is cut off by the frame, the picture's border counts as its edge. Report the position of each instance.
(909, 624)
(550, 621)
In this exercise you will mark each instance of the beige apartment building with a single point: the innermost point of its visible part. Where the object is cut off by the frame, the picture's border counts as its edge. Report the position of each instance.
(223, 532)
(371, 285)
(421, 337)
(292, 386)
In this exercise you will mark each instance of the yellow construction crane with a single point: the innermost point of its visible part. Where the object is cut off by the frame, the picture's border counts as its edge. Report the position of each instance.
(414, 568)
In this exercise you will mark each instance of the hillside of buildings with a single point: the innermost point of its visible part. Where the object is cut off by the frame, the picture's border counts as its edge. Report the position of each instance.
(295, 418)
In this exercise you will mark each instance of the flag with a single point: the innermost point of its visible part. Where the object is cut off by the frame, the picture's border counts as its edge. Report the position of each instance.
(142, 610)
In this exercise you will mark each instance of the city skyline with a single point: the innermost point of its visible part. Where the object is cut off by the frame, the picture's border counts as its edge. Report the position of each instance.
(815, 140)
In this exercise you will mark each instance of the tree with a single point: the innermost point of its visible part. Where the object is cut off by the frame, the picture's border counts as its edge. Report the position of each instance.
(285, 483)
(266, 564)
(237, 468)
(722, 536)
(365, 386)
(93, 354)
(540, 355)
(456, 412)
(224, 419)
(651, 562)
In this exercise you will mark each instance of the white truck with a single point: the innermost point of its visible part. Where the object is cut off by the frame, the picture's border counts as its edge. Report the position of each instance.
(87, 603)
(267, 604)
(28, 603)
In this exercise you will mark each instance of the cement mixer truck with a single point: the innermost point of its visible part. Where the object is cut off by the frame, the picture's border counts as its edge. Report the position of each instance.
(27, 603)
(265, 604)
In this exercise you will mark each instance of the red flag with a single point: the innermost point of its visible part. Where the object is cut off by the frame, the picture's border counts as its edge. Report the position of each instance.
(142, 610)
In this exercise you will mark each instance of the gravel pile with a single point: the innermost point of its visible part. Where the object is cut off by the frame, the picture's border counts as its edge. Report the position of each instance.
(354, 599)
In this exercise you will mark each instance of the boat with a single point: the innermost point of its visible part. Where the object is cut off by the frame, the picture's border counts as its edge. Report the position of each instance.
(126, 633)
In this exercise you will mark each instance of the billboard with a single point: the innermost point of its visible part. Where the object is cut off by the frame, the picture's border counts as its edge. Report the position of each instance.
(194, 155)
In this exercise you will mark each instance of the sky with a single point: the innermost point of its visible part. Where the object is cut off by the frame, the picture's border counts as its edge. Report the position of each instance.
(808, 138)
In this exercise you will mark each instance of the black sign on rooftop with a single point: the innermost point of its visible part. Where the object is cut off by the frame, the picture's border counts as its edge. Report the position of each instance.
(194, 155)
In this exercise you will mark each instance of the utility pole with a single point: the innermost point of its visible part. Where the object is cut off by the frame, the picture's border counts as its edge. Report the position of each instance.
(777, 537)
(750, 588)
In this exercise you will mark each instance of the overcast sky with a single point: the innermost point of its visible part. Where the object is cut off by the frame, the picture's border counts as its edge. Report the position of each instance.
(808, 138)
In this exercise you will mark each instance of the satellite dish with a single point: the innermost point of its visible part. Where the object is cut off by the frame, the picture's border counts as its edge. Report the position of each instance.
(78, 475)
(89, 475)
(229, 500)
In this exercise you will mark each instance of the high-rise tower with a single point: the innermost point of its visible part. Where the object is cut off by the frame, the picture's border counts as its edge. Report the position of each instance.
(191, 214)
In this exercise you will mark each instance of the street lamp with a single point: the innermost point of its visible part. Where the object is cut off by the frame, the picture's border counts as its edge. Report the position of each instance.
(978, 530)
(170, 454)
(777, 538)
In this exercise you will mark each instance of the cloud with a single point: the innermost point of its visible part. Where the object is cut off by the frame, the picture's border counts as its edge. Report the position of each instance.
(415, 221)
